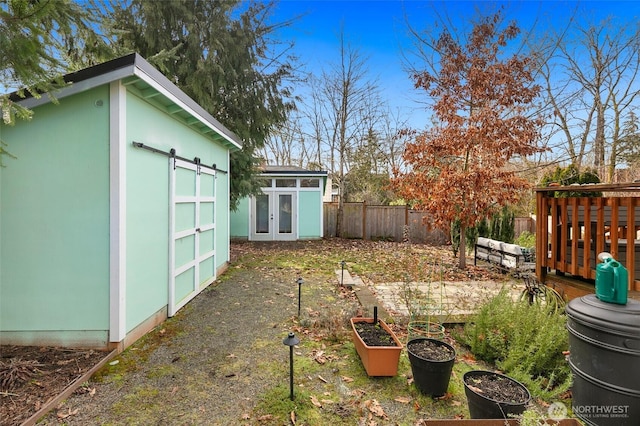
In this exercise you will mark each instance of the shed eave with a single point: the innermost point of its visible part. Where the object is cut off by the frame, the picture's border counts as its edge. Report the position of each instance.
(294, 173)
(159, 82)
(136, 66)
(78, 87)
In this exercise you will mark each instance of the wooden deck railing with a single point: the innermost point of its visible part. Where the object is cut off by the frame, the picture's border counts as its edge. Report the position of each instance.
(577, 229)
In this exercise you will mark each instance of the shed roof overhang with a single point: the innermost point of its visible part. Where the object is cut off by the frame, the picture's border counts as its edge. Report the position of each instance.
(270, 170)
(141, 78)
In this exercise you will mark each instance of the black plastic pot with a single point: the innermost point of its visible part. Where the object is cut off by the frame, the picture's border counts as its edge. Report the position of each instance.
(430, 376)
(481, 407)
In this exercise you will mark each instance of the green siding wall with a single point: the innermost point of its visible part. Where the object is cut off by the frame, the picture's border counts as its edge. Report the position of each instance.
(54, 220)
(309, 214)
(148, 203)
(240, 220)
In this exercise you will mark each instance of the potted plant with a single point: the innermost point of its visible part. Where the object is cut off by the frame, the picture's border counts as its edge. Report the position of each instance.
(493, 395)
(431, 364)
(377, 345)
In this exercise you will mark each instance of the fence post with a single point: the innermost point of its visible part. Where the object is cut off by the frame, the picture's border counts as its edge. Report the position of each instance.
(364, 220)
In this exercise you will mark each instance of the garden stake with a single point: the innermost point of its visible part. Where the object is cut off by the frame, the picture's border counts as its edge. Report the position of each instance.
(299, 293)
(291, 340)
(342, 263)
(375, 315)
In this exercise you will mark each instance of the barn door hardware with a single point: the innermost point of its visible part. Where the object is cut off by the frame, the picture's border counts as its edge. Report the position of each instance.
(172, 154)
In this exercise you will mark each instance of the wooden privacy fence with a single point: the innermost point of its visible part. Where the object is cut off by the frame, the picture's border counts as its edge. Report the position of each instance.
(371, 222)
(522, 224)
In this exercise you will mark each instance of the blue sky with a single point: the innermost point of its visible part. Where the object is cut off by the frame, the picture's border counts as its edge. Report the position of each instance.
(378, 29)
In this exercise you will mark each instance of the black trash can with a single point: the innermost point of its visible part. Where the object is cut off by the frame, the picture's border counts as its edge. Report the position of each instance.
(604, 344)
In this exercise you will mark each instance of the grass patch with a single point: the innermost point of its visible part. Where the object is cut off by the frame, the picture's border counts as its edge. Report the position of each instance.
(274, 407)
(137, 354)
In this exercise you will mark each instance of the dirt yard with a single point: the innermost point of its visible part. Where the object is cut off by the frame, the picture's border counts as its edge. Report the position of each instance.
(215, 361)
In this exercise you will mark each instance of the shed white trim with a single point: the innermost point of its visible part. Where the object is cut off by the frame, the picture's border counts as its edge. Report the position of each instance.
(117, 212)
(80, 86)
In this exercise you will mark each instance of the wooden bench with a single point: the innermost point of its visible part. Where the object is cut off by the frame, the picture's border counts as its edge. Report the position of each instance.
(509, 257)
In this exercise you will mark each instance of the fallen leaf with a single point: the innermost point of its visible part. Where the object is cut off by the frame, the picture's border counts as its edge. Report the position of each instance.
(347, 379)
(455, 403)
(68, 413)
(315, 401)
(469, 358)
(402, 399)
(445, 397)
(358, 392)
(322, 379)
(265, 417)
(475, 389)
(293, 417)
(375, 408)
(246, 416)
(319, 357)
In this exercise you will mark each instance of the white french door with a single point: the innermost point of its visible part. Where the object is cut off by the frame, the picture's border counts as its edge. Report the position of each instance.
(192, 234)
(274, 216)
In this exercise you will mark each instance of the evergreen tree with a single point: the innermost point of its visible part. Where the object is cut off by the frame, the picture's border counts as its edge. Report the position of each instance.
(483, 228)
(220, 53)
(37, 39)
(629, 147)
(570, 175)
(494, 227)
(507, 226)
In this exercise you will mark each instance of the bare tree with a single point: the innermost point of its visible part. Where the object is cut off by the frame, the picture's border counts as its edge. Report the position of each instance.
(287, 145)
(344, 102)
(601, 65)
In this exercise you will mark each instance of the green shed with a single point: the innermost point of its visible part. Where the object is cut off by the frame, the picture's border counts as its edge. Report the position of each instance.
(289, 208)
(115, 212)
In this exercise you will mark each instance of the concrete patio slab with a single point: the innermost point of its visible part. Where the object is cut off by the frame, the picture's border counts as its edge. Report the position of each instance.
(450, 302)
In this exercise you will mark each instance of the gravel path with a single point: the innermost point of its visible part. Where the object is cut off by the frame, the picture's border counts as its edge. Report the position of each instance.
(210, 363)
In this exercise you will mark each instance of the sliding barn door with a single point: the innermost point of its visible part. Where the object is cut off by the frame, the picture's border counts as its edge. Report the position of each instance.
(192, 233)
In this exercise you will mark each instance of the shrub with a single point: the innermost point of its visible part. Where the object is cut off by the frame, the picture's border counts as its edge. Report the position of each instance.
(525, 341)
(526, 239)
